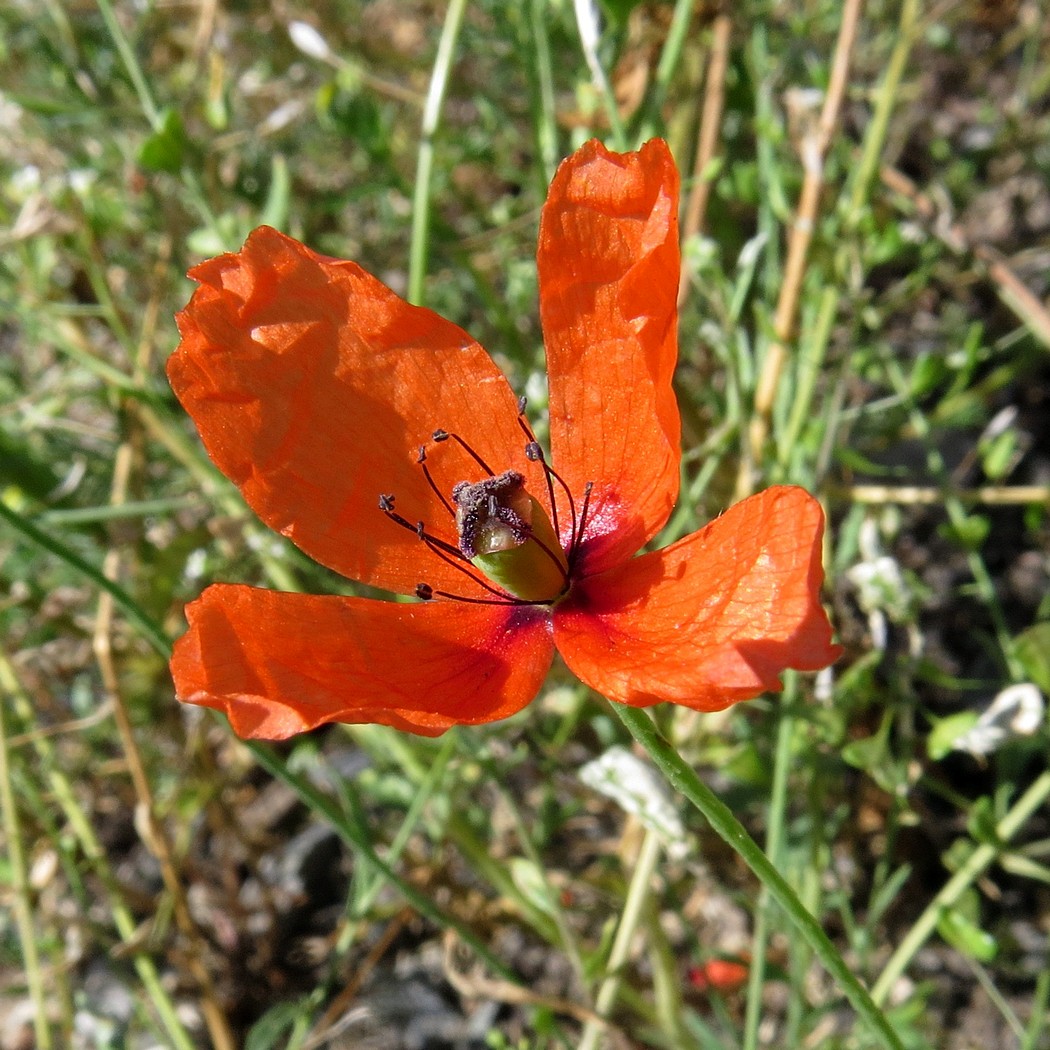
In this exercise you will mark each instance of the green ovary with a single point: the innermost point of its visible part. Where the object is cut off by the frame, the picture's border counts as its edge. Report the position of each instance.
(526, 570)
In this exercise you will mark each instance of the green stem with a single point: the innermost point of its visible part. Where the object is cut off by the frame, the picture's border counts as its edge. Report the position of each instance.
(774, 848)
(150, 628)
(357, 837)
(62, 793)
(665, 69)
(886, 99)
(978, 861)
(633, 909)
(684, 779)
(20, 891)
(127, 55)
(546, 124)
(417, 260)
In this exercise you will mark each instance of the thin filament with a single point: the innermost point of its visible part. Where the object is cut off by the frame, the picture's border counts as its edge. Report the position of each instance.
(534, 450)
(445, 435)
(577, 537)
(422, 461)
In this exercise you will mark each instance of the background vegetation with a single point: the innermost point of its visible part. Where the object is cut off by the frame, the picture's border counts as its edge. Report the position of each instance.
(867, 240)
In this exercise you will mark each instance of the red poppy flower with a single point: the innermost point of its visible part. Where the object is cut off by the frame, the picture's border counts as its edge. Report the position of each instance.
(387, 445)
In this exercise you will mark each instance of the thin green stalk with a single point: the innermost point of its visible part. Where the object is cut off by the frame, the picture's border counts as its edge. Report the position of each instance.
(977, 863)
(122, 917)
(1037, 1017)
(810, 364)
(774, 849)
(885, 100)
(110, 512)
(152, 631)
(546, 123)
(20, 891)
(356, 837)
(150, 108)
(633, 909)
(400, 749)
(131, 65)
(566, 936)
(417, 260)
(85, 837)
(424, 793)
(670, 56)
(684, 779)
(773, 209)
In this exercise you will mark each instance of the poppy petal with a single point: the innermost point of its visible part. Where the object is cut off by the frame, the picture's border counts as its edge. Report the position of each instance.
(711, 620)
(280, 664)
(608, 264)
(313, 387)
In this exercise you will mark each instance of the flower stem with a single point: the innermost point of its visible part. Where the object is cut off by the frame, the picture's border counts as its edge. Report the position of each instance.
(634, 907)
(774, 847)
(684, 779)
(417, 260)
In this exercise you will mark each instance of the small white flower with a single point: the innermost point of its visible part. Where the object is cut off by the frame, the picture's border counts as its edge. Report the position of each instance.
(309, 41)
(883, 592)
(637, 789)
(1019, 710)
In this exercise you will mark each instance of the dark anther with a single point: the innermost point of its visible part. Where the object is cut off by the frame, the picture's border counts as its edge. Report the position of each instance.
(386, 503)
(440, 435)
(422, 457)
(522, 402)
(533, 452)
(486, 508)
(421, 530)
(424, 591)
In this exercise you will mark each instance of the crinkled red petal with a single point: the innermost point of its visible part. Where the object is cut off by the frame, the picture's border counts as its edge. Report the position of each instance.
(313, 387)
(279, 664)
(608, 274)
(711, 620)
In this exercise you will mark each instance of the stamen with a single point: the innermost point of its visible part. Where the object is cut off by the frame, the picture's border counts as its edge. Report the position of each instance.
(443, 435)
(577, 537)
(553, 557)
(534, 454)
(427, 593)
(422, 461)
(447, 552)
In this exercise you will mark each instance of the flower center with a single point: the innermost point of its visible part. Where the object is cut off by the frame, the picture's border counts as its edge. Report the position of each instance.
(506, 533)
(507, 544)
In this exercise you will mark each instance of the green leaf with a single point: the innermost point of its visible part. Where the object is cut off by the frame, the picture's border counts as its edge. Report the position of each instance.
(619, 10)
(999, 455)
(165, 149)
(946, 731)
(532, 884)
(868, 754)
(1032, 648)
(268, 1032)
(970, 532)
(966, 936)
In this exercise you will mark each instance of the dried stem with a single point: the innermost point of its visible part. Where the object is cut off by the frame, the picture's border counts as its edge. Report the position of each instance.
(707, 139)
(813, 148)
